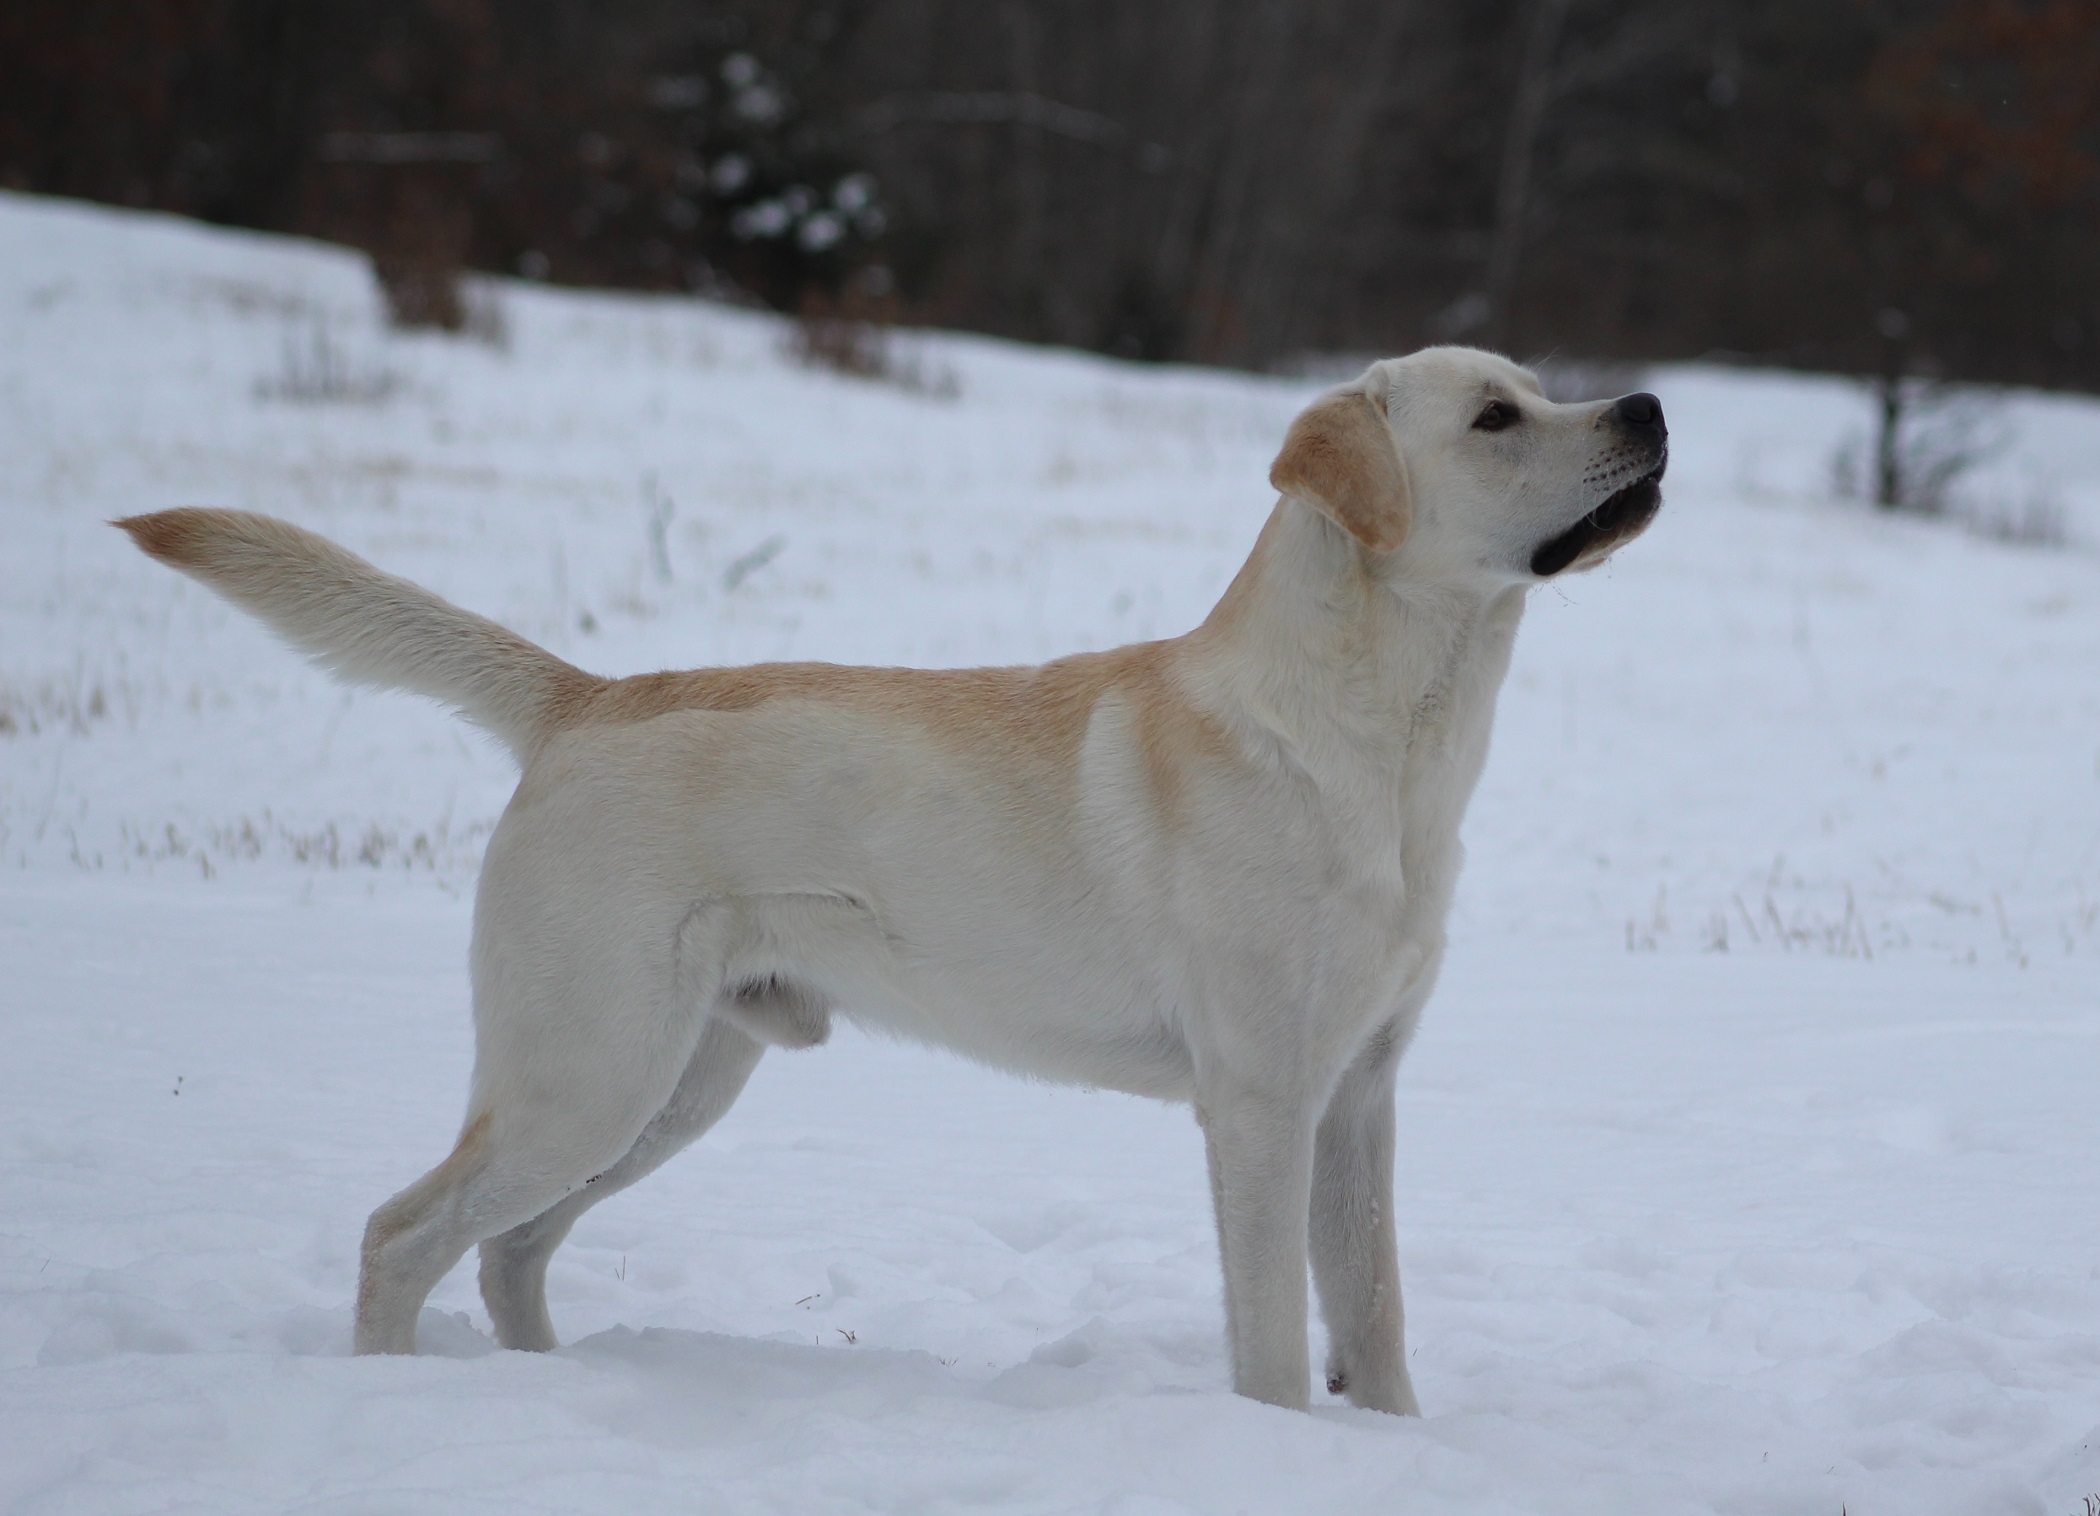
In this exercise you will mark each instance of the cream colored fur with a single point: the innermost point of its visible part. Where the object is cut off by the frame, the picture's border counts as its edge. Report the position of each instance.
(1213, 869)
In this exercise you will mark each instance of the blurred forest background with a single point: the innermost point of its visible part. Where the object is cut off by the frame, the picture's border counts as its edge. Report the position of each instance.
(1870, 186)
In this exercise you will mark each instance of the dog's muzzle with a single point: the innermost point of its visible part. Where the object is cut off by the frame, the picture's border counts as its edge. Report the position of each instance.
(1624, 512)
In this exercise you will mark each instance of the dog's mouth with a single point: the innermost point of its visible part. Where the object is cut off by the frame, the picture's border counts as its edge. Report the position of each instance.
(1622, 515)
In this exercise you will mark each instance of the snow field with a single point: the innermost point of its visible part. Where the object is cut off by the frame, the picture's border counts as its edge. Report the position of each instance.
(1748, 1150)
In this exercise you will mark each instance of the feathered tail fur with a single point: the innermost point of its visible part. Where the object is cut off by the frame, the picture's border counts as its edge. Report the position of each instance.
(365, 626)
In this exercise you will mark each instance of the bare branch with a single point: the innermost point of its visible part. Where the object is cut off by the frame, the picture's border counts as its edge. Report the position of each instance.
(990, 107)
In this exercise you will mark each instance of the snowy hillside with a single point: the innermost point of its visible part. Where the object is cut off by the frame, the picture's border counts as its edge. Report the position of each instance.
(1749, 1151)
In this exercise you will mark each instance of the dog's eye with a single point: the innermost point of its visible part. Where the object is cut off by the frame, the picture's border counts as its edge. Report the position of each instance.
(1499, 413)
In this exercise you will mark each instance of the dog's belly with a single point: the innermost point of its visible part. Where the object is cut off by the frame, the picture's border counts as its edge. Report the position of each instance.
(1086, 1026)
(1065, 991)
(978, 947)
(922, 895)
(1043, 919)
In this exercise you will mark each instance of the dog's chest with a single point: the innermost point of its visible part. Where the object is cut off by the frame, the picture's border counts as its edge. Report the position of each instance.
(1395, 835)
(1400, 830)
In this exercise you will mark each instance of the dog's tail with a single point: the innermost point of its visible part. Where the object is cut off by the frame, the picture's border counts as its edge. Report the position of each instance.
(365, 626)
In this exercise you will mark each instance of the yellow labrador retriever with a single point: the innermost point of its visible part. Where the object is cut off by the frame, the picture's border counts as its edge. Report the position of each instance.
(1212, 869)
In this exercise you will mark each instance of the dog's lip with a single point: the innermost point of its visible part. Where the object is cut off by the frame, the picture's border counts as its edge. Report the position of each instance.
(1621, 514)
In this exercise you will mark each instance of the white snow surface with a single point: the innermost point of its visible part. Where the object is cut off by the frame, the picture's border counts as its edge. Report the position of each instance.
(1749, 1152)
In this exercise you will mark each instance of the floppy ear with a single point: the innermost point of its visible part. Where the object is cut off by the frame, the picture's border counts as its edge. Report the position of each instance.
(1339, 458)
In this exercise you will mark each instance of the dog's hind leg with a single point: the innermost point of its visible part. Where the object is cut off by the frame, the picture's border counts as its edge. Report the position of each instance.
(582, 1035)
(514, 1263)
(495, 1176)
(1355, 1259)
(521, 1153)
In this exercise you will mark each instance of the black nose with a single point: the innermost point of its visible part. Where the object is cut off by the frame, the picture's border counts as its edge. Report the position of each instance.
(1641, 409)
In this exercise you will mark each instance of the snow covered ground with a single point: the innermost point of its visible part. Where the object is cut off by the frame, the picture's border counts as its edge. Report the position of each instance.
(1750, 1150)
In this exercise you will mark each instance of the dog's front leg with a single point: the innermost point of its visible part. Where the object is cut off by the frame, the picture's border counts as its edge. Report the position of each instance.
(1356, 1260)
(1259, 1143)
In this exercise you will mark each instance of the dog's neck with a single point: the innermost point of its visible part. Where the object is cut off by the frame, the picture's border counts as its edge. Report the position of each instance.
(1333, 655)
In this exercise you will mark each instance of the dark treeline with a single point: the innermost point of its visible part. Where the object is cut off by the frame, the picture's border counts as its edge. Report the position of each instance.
(1866, 185)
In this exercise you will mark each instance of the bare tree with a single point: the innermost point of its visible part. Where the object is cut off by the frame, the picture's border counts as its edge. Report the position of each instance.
(1527, 112)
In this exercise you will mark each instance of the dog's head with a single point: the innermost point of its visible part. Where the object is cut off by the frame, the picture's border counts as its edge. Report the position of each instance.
(1454, 462)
